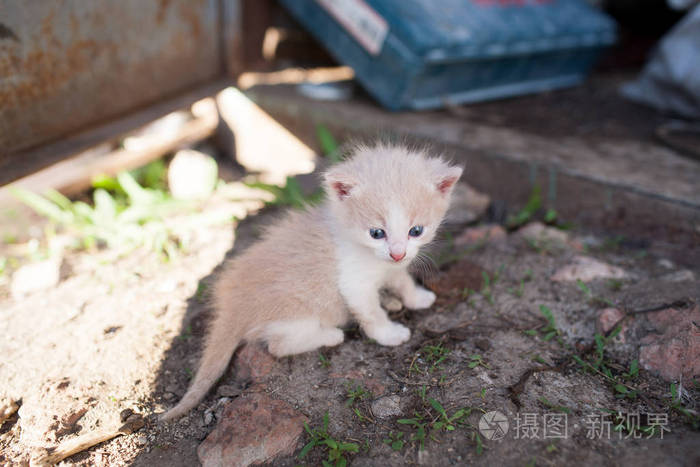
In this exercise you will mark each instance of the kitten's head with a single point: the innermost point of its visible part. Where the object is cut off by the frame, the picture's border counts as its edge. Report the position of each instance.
(389, 199)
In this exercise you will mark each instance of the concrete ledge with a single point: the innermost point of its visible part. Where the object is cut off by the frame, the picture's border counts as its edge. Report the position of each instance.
(626, 186)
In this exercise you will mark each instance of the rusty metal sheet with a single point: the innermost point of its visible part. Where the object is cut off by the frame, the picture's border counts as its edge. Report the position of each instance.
(66, 65)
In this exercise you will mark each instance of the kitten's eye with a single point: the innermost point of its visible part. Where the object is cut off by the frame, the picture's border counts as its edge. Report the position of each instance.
(416, 231)
(377, 234)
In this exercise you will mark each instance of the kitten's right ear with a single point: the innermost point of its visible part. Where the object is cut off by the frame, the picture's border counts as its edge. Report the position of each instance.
(338, 183)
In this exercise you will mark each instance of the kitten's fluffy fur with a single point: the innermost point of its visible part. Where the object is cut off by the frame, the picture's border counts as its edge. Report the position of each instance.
(316, 269)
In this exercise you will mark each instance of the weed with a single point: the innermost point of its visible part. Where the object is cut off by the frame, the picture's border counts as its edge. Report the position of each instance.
(676, 403)
(538, 359)
(362, 418)
(486, 290)
(595, 299)
(477, 360)
(435, 420)
(422, 392)
(290, 194)
(479, 444)
(519, 291)
(337, 450)
(550, 217)
(550, 330)
(329, 146)
(418, 423)
(483, 393)
(356, 393)
(550, 405)
(433, 355)
(186, 333)
(200, 293)
(123, 214)
(445, 421)
(324, 361)
(633, 371)
(395, 440)
(534, 203)
(599, 365)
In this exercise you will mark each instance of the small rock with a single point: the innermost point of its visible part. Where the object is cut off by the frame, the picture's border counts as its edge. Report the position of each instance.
(672, 349)
(679, 276)
(390, 302)
(482, 344)
(665, 263)
(221, 404)
(208, 417)
(253, 362)
(124, 414)
(7, 408)
(387, 406)
(587, 269)
(34, 277)
(227, 390)
(134, 423)
(192, 175)
(253, 429)
(169, 396)
(467, 206)
(482, 233)
(607, 318)
(141, 440)
(538, 232)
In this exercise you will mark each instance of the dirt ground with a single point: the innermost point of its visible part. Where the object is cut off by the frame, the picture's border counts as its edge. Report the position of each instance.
(124, 333)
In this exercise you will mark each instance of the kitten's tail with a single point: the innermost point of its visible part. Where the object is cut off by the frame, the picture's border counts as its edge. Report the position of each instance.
(219, 348)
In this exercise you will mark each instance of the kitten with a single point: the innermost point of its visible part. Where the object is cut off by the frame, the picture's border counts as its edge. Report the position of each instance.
(314, 270)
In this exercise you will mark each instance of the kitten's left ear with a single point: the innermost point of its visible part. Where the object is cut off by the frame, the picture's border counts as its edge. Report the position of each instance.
(338, 182)
(447, 178)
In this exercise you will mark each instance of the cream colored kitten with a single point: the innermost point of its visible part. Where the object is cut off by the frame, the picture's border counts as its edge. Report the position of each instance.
(315, 270)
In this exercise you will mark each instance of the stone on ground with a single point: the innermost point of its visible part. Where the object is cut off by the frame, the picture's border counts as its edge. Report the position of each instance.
(538, 232)
(672, 348)
(34, 277)
(586, 269)
(253, 429)
(192, 175)
(467, 206)
(482, 233)
(386, 407)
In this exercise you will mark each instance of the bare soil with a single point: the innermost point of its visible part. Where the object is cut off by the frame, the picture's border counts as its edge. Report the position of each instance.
(124, 333)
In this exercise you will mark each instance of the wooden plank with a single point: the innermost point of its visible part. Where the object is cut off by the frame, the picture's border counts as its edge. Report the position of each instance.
(75, 174)
(31, 160)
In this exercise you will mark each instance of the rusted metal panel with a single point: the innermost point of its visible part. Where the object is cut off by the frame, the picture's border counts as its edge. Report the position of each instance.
(66, 65)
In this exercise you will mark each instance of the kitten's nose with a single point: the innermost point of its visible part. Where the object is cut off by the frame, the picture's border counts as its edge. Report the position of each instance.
(398, 256)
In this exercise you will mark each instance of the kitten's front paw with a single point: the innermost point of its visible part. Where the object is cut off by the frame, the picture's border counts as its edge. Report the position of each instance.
(422, 298)
(390, 334)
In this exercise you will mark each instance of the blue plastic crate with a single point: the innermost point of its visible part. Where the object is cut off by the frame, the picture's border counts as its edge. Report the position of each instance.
(422, 54)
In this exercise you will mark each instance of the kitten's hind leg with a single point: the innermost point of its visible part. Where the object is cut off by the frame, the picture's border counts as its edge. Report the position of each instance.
(412, 295)
(299, 336)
